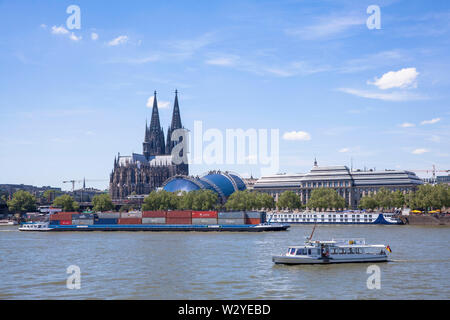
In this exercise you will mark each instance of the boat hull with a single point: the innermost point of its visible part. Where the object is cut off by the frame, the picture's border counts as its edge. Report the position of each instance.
(155, 228)
(298, 261)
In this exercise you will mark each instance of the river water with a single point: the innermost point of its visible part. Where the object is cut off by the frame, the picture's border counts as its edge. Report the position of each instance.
(176, 265)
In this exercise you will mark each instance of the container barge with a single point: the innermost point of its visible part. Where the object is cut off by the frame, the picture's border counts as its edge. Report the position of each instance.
(203, 221)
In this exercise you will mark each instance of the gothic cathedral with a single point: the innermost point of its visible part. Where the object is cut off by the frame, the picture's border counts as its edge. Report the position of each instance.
(143, 173)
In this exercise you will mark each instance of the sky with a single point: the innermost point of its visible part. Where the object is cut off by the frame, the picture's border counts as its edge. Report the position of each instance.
(337, 90)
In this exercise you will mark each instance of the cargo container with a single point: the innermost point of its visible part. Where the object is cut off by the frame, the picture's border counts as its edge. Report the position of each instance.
(231, 215)
(253, 221)
(65, 222)
(177, 220)
(153, 220)
(204, 221)
(108, 215)
(82, 216)
(61, 216)
(130, 221)
(83, 222)
(131, 215)
(179, 214)
(253, 214)
(230, 221)
(54, 222)
(154, 214)
(204, 214)
(105, 221)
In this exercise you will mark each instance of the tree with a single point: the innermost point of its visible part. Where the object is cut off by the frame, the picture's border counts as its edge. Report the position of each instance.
(325, 198)
(50, 195)
(368, 202)
(204, 200)
(289, 200)
(265, 201)
(161, 200)
(66, 203)
(102, 202)
(429, 197)
(383, 198)
(398, 199)
(22, 202)
(240, 200)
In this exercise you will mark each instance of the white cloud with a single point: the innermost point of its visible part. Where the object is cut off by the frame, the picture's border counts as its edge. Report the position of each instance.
(223, 61)
(297, 136)
(327, 26)
(43, 26)
(73, 37)
(392, 96)
(432, 121)
(344, 150)
(407, 125)
(403, 78)
(59, 30)
(161, 104)
(117, 41)
(420, 151)
(94, 36)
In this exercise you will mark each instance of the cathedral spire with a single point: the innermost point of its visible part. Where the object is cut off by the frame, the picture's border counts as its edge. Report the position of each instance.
(154, 124)
(176, 118)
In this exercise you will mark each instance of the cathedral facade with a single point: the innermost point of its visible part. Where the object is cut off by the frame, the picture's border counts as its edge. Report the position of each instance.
(142, 173)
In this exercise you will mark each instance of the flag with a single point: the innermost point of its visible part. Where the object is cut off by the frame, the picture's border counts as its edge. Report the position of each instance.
(389, 249)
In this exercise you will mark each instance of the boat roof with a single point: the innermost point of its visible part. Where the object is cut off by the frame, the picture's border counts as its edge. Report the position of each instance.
(345, 246)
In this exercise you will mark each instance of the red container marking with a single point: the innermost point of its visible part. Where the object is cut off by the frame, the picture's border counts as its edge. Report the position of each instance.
(129, 221)
(154, 214)
(65, 222)
(204, 214)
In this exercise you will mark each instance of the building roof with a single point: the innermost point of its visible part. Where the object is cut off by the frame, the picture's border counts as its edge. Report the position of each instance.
(340, 173)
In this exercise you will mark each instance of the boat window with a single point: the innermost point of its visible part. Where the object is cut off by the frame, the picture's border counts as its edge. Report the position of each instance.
(299, 252)
(342, 251)
(309, 251)
(350, 251)
(292, 251)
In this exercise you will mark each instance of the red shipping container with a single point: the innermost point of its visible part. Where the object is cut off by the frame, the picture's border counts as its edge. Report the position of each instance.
(170, 220)
(204, 214)
(61, 216)
(65, 222)
(130, 221)
(154, 214)
(179, 214)
(252, 221)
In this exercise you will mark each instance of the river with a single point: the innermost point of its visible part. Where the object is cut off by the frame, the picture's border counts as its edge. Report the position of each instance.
(177, 265)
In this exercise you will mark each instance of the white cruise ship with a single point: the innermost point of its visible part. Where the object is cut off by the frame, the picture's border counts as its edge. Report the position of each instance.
(344, 217)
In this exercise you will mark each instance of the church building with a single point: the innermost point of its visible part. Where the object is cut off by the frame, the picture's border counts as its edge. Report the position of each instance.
(142, 173)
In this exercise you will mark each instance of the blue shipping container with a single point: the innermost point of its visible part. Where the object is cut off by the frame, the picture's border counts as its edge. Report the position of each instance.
(231, 215)
(105, 221)
(54, 222)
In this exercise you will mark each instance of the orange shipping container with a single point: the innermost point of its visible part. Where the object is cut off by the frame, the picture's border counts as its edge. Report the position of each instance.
(130, 221)
(65, 222)
(154, 214)
(178, 220)
(61, 216)
(252, 221)
(179, 214)
(204, 214)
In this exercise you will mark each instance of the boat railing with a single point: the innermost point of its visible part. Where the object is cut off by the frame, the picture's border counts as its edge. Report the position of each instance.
(357, 241)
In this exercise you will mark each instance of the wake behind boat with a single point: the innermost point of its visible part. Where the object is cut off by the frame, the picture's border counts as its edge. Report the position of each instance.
(334, 251)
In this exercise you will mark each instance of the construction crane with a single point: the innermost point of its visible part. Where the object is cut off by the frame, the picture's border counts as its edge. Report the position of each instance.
(84, 182)
(433, 171)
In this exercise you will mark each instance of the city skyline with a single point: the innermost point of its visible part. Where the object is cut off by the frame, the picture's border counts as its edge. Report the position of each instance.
(336, 90)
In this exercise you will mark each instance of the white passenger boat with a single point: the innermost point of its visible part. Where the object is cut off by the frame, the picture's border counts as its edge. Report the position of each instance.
(35, 226)
(334, 251)
(344, 217)
(8, 223)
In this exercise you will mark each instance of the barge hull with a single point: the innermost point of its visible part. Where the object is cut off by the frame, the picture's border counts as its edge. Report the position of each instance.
(178, 228)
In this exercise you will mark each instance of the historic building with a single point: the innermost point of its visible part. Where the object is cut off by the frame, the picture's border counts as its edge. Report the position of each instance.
(143, 173)
(351, 185)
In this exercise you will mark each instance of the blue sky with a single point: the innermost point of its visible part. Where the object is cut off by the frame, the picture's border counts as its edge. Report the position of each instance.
(70, 100)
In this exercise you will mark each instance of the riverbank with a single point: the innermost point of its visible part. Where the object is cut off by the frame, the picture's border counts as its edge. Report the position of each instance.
(426, 220)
